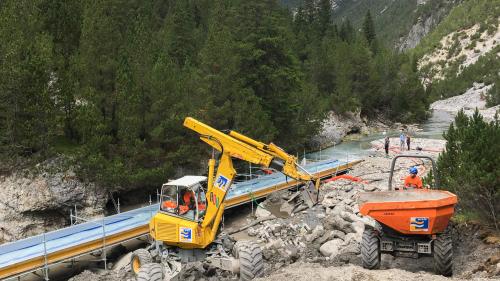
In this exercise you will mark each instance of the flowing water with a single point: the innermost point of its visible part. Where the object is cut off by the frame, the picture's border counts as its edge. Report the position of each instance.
(359, 147)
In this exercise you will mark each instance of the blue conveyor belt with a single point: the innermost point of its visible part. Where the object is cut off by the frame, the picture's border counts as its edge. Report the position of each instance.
(65, 238)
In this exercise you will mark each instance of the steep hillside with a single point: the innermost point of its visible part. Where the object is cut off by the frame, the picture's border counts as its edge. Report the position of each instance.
(464, 48)
(399, 24)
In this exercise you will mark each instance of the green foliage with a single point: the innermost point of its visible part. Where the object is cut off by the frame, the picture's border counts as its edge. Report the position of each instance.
(469, 166)
(493, 97)
(109, 83)
(483, 71)
(369, 31)
(27, 90)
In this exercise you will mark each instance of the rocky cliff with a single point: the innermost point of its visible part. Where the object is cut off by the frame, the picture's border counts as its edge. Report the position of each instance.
(40, 199)
(423, 25)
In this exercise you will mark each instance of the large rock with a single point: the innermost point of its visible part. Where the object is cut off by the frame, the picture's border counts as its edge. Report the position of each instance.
(335, 127)
(316, 233)
(331, 247)
(33, 202)
(261, 212)
(337, 223)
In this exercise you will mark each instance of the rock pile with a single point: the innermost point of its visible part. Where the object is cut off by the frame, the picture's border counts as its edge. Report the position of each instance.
(330, 231)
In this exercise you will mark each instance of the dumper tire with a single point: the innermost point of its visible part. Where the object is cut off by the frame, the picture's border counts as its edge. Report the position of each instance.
(443, 255)
(151, 272)
(370, 249)
(251, 260)
(139, 258)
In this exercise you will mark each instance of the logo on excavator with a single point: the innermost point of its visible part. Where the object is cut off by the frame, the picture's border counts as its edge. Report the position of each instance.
(185, 234)
(222, 183)
(419, 224)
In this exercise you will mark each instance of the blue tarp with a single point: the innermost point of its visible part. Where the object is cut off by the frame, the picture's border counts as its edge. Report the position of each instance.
(29, 248)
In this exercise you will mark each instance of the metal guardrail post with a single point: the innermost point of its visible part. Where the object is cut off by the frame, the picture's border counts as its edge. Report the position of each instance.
(46, 265)
(104, 245)
(118, 205)
(76, 216)
(71, 216)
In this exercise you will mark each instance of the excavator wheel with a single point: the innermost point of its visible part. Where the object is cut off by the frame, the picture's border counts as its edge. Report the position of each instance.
(370, 249)
(251, 261)
(151, 272)
(140, 257)
(443, 254)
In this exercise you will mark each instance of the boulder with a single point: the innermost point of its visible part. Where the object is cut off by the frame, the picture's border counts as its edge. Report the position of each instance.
(338, 234)
(261, 212)
(331, 247)
(316, 233)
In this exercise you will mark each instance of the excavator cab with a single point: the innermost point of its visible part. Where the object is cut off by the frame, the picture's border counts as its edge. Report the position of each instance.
(184, 198)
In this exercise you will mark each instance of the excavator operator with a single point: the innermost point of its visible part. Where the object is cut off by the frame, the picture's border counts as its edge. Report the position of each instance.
(412, 180)
(188, 202)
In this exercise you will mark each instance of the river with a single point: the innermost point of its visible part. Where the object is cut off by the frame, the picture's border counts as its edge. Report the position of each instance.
(360, 147)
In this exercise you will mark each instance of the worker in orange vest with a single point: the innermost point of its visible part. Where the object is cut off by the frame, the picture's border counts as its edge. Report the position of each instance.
(412, 180)
(189, 202)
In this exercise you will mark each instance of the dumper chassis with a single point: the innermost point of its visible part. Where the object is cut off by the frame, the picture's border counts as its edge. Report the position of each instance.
(382, 238)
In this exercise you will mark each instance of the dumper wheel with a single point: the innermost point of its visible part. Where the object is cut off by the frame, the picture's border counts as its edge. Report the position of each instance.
(140, 257)
(151, 272)
(370, 249)
(443, 254)
(251, 261)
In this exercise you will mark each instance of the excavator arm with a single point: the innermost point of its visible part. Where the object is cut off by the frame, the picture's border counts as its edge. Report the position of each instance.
(235, 145)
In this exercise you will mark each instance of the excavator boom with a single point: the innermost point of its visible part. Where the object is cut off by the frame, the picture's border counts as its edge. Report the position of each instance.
(236, 145)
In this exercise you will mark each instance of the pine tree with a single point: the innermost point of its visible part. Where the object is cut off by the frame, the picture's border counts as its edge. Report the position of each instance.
(62, 20)
(268, 67)
(369, 31)
(469, 165)
(324, 17)
(27, 96)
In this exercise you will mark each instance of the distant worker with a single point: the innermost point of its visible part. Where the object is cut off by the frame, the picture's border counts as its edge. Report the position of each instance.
(408, 142)
(412, 180)
(386, 146)
(402, 140)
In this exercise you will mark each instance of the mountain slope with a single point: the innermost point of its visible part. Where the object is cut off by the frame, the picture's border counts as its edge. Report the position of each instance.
(464, 48)
(399, 23)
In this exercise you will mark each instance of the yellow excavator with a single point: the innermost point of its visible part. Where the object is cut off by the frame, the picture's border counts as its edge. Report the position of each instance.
(186, 227)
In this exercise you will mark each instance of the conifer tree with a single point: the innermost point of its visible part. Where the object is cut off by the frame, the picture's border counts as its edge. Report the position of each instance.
(369, 31)
(27, 101)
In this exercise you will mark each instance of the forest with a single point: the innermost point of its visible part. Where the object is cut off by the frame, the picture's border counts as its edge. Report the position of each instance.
(108, 83)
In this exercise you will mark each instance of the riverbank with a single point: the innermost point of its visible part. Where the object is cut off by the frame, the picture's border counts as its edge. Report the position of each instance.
(474, 97)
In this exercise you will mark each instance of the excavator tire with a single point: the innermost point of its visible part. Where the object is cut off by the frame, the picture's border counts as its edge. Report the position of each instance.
(151, 272)
(370, 249)
(443, 254)
(139, 258)
(251, 261)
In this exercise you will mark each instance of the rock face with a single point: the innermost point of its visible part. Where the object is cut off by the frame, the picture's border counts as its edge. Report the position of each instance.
(419, 30)
(32, 203)
(335, 127)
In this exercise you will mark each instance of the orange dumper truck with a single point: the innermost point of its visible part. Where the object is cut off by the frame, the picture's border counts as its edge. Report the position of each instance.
(410, 223)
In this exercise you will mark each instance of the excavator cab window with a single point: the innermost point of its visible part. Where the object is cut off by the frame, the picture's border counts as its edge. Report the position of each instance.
(183, 201)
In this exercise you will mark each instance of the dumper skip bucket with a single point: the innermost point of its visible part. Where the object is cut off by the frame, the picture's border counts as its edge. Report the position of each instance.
(410, 211)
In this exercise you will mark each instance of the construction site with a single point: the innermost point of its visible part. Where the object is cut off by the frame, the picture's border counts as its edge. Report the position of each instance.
(349, 218)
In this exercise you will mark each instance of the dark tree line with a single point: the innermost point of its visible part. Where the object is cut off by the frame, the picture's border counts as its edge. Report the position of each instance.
(110, 82)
